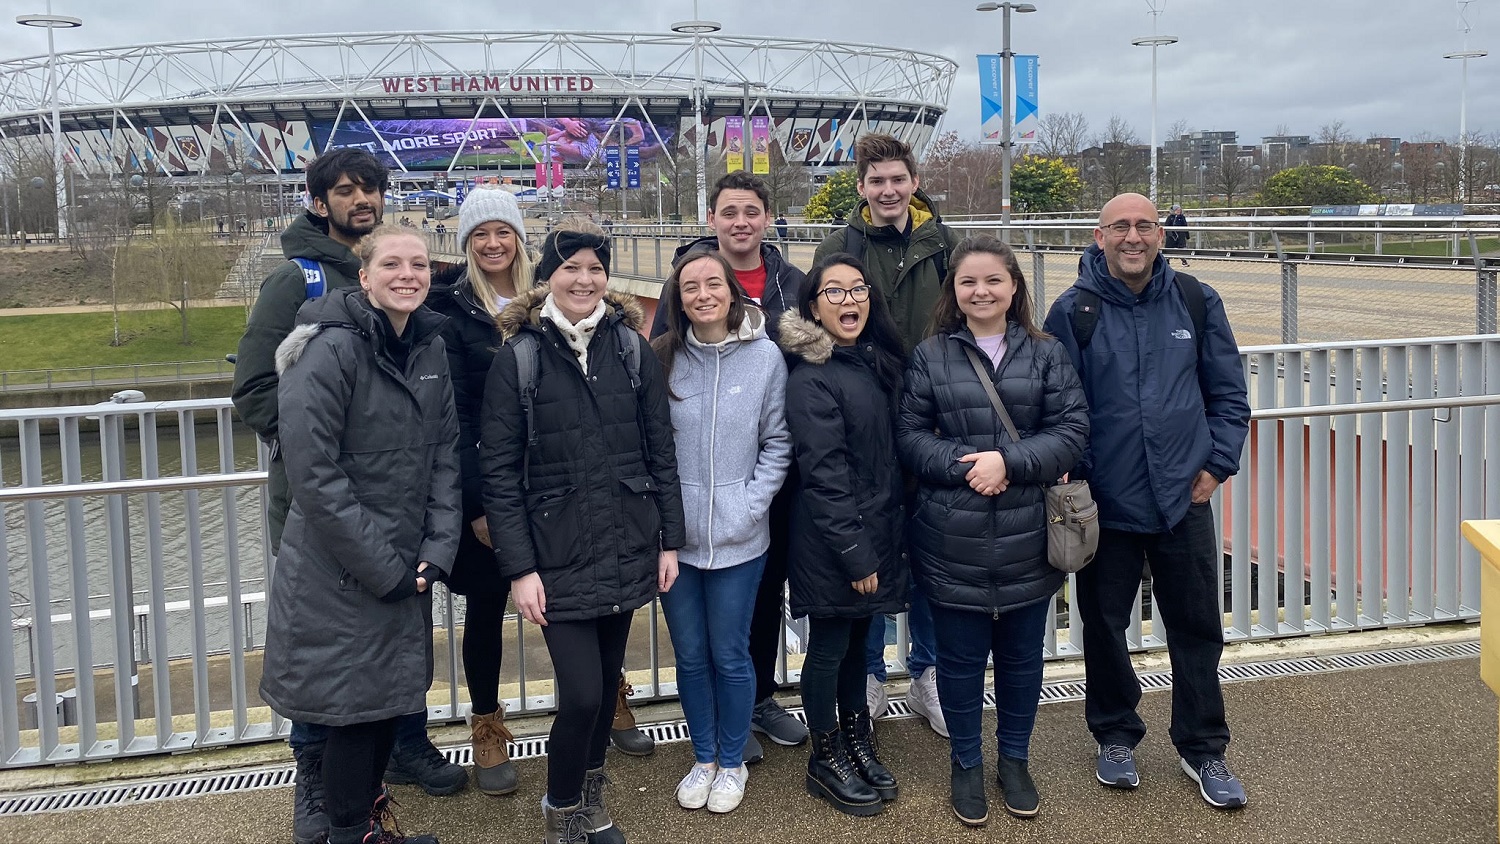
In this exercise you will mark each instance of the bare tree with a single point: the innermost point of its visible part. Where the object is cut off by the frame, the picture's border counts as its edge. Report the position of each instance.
(174, 266)
(1333, 144)
(790, 184)
(1375, 165)
(964, 173)
(1122, 162)
(1232, 174)
(1421, 167)
(1061, 135)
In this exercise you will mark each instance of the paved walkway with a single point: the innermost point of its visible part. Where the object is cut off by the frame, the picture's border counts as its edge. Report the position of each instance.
(1396, 754)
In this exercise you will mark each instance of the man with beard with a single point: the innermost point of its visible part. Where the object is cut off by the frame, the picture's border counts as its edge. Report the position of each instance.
(346, 190)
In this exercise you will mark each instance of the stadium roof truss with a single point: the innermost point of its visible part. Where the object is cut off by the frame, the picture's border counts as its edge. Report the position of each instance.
(370, 76)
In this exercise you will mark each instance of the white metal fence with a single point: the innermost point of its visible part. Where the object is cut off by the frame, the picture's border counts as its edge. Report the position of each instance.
(132, 544)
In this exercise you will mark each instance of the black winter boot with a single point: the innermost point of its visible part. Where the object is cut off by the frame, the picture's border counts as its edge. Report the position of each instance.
(421, 763)
(309, 823)
(967, 794)
(597, 823)
(1015, 783)
(831, 776)
(859, 737)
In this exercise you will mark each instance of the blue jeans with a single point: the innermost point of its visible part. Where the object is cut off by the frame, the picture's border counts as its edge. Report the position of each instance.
(409, 728)
(708, 615)
(918, 624)
(965, 640)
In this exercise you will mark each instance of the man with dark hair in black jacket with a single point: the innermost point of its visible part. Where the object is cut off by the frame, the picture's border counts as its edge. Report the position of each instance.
(346, 194)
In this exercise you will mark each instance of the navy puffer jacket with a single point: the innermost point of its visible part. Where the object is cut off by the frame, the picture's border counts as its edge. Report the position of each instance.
(971, 551)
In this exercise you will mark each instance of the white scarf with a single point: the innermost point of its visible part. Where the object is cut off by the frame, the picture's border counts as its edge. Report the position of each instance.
(577, 334)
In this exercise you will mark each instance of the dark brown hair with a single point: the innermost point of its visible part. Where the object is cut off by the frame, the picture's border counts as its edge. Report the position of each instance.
(946, 316)
(880, 329)
(877, 147)
(675, 338)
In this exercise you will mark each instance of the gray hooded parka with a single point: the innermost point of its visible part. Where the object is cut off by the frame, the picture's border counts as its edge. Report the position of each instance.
(369, 452)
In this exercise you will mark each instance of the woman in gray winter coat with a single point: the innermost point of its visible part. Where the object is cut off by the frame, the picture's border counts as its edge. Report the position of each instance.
(368, 431)
(728, 392)
(978, 533)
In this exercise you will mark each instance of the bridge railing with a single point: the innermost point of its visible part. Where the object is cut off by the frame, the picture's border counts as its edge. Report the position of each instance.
(133, 551)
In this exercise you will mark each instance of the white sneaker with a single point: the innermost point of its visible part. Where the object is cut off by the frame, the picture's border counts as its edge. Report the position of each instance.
(728, 789)
(875, 697)
(922, 697)
(692, 792)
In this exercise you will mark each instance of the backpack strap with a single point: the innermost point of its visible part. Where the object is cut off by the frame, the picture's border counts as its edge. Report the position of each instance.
(855, 242)
(312, 271)
(1086, 311)
(630, 352)
(1192, 296)
(525, 349)
(1085, 317)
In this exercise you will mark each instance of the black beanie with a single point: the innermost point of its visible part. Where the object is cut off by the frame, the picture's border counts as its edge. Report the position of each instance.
(560, 246)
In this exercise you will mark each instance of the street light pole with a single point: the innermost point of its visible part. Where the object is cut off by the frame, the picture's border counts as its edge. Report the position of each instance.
(1463, 115)
(698, 28)
(1153, 41)
(1007, 104)
(50, 22)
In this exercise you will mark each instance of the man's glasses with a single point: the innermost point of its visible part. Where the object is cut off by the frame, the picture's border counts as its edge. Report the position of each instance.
(1145, 228)
(836, 295)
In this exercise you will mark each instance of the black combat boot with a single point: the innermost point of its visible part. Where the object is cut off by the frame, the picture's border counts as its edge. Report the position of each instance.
(831, 776)
(859, 737)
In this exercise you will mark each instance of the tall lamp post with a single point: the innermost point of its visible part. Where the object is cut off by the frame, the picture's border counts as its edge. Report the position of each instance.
(1463, 115)
(1153, 41)
(50, 22)
(698, 28)
(1007, 103)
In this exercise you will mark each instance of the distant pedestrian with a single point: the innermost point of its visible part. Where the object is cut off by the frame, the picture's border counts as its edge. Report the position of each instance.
(781, 226)
(1177, 236)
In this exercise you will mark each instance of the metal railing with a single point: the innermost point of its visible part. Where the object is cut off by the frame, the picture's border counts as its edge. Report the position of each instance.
(1363, 459)
(113, 374)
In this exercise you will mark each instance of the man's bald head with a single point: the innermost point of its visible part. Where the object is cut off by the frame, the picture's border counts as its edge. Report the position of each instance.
(1131, 252)
(1114, 208)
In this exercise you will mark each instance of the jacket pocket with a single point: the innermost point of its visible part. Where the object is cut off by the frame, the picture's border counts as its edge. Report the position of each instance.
(642, 527)
(733, 522)
(553, 515)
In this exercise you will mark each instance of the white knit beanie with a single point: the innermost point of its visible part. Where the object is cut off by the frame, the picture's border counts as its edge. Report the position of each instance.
(484, 205)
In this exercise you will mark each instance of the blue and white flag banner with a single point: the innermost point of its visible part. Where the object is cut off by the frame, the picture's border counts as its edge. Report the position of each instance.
(991, 108)
(1027, 116)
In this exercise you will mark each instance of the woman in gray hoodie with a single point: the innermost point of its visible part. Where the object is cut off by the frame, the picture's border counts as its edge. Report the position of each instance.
(727, 385)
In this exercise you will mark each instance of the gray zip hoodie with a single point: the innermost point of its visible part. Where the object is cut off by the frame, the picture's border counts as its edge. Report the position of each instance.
(733, 449)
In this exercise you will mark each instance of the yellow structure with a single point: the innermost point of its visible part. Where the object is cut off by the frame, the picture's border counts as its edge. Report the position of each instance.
(1486, 537)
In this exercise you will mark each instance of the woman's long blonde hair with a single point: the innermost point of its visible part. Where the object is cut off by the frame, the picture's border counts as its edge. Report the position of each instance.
(480, 284)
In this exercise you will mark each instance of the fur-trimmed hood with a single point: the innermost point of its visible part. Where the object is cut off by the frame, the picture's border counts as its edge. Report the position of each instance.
(805, 339)
(526, 309)
(291, 348)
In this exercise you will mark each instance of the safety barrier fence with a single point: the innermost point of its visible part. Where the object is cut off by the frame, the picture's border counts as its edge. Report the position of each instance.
(136, 564)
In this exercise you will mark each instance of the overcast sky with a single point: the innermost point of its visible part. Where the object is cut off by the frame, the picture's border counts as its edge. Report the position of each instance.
(1245, 65)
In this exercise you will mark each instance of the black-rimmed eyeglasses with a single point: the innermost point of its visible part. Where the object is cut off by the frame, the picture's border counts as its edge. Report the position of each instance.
(1144, 228)
(836, 295)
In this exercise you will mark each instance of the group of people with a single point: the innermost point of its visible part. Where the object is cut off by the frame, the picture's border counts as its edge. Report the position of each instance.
(827, 441)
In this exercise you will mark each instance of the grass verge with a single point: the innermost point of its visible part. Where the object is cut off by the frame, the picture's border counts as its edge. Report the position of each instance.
(67, 341)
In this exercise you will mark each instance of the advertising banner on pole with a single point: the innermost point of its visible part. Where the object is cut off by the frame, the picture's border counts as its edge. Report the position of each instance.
(541, 175)
(557, 174)
(612, 167)
(632, 167)
(734, 143)
(760, 144)
(1027, 117)
(991, 107)
(460, 190)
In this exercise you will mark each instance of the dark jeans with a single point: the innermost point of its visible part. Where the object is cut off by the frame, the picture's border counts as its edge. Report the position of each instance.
(1185, 583)
(484, 644)
(586, 661)
(767, 617)
(353, 763)
(409, 729)
(922, 654)
(965, 641)
(833, 672)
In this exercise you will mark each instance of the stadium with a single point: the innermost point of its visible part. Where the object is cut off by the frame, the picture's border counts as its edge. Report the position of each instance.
(515, 107)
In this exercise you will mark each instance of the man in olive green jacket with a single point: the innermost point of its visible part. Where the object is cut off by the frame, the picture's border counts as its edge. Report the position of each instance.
(896, 232)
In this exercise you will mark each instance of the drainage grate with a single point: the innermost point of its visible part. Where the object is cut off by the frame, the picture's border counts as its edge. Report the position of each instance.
(668, 732)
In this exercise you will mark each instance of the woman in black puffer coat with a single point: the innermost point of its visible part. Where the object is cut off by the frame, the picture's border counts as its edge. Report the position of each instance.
(979, 532)
(846, 561)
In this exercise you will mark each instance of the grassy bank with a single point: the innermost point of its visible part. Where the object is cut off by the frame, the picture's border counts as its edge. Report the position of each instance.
(66, 341)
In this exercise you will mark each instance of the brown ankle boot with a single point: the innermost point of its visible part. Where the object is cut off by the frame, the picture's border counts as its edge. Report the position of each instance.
(623, 733)
(494, 773)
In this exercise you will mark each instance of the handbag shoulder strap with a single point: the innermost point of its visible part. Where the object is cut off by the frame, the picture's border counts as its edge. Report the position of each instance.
(989, 387)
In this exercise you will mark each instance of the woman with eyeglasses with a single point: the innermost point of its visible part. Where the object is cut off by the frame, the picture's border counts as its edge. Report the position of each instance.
(846, 560)
(979, 525)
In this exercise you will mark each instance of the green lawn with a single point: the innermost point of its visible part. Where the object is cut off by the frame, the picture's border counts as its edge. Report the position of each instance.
(1434, 247)
(68, 341)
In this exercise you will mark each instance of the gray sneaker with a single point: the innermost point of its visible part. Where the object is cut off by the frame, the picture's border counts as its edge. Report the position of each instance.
(777, 724)
(1116, 767)
(753, 752)
(1220, 788)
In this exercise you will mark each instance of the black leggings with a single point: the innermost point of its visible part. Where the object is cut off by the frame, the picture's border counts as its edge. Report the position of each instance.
(833, 672)
(586, 660)
(353, 763)
(484, 644)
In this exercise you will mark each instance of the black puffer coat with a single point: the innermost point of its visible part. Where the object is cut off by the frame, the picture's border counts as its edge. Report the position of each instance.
(369, 453)
(472, 338)
(848, 519)
(600, 502)
(971, 551)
